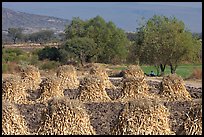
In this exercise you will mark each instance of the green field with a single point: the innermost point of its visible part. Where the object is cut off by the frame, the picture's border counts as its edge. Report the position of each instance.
(184, 70)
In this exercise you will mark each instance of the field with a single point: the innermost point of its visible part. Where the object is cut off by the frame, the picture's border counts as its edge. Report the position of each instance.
(87, 100)
(183, 70)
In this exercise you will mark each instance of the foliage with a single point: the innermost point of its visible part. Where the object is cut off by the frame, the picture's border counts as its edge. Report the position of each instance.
(83, 48)
(41, 36)
(165, 41)
(50, 53)
(15, 33)
(111, 42)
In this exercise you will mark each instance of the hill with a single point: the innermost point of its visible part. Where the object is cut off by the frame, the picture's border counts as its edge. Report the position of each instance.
(31, 22)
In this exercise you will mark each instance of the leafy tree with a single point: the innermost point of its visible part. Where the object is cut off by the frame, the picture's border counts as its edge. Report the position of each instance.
(50, 53)
(83, 48)
(110, 41)
(15, 33)
(41, 36)
(165, 41)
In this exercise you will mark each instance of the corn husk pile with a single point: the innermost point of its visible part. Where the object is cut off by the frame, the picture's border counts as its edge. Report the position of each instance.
(134, 88)
(65, 117)
(14, 91)
(12, 122)
(68, 77)
(101, 72)
(143, 117)
(133, 71)
(192, 124)
(49, 88)
(31, 77)
(173, 88)
(92, 88)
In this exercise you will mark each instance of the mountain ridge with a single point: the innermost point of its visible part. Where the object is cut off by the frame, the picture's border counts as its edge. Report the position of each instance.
(31, 22)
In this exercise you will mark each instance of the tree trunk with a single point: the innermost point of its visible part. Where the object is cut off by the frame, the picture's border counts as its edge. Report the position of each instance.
(157, 68)
(173, 68)
(162, 67)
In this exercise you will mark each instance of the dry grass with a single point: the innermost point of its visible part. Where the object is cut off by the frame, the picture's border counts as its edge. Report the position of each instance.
(65, 117)
(12, 122)
(196, 74)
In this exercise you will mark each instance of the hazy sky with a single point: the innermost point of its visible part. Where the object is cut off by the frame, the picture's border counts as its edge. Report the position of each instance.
(123, 14)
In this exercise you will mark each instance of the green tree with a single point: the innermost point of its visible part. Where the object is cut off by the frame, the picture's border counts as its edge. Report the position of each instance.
(41, 36)
(83, 48)
(110, 41)
(165, 41)
(50, 53)
(15, 33)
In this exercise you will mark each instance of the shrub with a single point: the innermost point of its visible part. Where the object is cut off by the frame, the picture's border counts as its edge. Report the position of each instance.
(197, 73)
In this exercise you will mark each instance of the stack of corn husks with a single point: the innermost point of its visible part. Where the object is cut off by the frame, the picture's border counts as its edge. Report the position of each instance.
(143, 116)
(173, 88)
(92, 88)
(65, 117)
(12, 122)
(68, 77)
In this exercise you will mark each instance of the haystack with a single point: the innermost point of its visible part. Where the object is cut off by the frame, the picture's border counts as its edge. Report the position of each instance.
(92, 88)
(134, 88)
(12, 122)
(49, 88)
(133, 71)
(68, 77)
(101, 72)
(65, 117)
(143, 116)
(31, 77)
(13, 90)
(173, 88)
(192, 124)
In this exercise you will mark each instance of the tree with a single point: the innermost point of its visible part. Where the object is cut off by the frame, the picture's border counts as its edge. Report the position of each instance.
(15, 33)
(165, 41)
(110, 41)
(83, 48)
(41, 36)
(50, 53)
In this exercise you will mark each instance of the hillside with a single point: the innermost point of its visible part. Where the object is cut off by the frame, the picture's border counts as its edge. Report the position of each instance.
(31, 22)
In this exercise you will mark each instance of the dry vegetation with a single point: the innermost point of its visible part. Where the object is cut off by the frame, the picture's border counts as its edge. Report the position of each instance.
(98, 106)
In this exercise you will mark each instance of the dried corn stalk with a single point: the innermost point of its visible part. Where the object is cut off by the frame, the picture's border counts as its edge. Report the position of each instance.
(133, 88)
(133, 71)
(143, 116)
(192, 124)
(49, 88)
(68, 77)
(14, 91)
(173, 88)
(65, 117)
(101, 72)
(92, 88)
(12, 122)
(31, 77)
